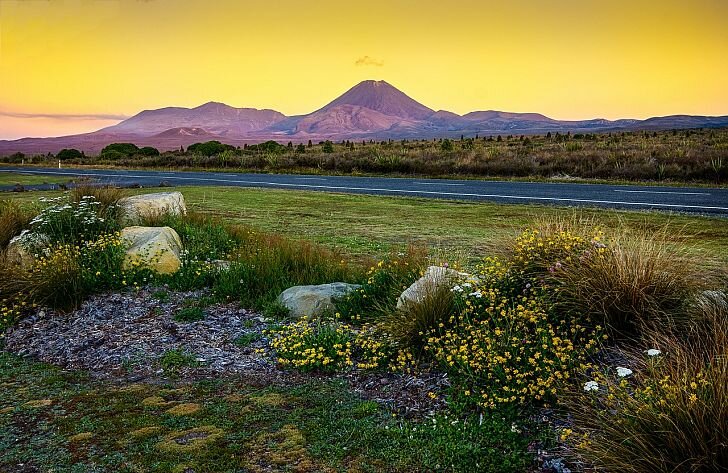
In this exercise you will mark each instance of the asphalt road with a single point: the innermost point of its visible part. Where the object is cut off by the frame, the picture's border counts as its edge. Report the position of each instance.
(701, 200)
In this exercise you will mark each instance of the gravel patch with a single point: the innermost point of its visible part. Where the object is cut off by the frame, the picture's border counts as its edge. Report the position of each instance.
(123, 337)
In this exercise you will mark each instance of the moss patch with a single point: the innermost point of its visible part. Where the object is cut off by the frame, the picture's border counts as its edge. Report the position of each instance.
(184, 409)
(38, 403)
(190, 440)
(155, 401)
(81, 437)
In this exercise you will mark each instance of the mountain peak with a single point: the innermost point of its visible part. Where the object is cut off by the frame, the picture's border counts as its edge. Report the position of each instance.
(382, 97)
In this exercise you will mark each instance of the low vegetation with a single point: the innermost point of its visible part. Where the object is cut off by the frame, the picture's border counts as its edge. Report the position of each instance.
(672, 156)
(615, 337)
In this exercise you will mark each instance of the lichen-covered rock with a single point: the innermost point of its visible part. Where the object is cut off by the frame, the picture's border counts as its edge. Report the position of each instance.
(433, 278)
(20, 249)
(312, 301)
(156, 248)
(138, 207)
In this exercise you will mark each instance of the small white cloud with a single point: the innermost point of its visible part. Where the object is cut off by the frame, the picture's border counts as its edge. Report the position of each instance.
(369, 61)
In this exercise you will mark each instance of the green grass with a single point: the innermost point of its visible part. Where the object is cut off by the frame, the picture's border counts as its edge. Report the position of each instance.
(53, 420)
(373, 225)
(12, 178)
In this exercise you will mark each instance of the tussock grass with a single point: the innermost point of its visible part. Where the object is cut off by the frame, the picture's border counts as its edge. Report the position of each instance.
(410, 324)
(106, 195)
(671, 416)
(13, 219)
(631, 281)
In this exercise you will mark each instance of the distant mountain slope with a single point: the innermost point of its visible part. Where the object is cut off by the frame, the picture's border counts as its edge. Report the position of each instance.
(370, 109)
(213, 117)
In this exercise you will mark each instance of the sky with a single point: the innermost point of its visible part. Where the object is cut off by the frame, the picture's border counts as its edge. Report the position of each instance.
(72, 66)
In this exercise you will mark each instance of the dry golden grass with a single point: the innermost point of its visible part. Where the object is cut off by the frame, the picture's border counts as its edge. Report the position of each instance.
(13, 219)
(631, 280)
(671, 416)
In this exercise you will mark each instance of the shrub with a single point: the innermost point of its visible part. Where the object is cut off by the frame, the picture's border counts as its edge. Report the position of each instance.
(503, 351)
(668, 414)
(208, 148)
(13, 219)
(124, 149)
(67, 154)
(148, 151)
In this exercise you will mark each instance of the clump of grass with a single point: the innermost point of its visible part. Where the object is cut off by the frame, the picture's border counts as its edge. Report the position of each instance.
(189, 314)
(266, 264)
(65, 274)
(107, 196)
(669, 415)
(247, 339)
(409, 324)
(178, 358)
(13, 219)
(628, 283)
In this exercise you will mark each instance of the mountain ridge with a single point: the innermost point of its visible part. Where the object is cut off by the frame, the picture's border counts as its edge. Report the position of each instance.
(372, 109)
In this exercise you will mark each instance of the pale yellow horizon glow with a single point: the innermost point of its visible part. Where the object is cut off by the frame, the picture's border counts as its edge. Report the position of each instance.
(567, 59)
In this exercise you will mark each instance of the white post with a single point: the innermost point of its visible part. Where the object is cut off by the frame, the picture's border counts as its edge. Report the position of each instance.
(59, 164)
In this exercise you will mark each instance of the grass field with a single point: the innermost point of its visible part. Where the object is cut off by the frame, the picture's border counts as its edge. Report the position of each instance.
(373, 225)
(12, 178)
(51, 420)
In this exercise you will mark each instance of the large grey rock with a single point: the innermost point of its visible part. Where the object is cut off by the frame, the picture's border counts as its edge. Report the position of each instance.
(313, 301)
(434, 277)
(157, 248)
(138, 207)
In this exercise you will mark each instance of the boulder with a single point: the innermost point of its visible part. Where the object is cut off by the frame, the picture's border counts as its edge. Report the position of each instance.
(433, 278)
(157, 248)
(138, 207)
(20, 248)
(313, 301)
(18, 253)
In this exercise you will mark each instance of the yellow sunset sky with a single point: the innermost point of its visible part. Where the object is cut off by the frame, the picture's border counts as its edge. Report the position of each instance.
(77, 65)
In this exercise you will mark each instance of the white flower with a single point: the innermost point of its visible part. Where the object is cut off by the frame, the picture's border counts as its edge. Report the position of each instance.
(477, 294)
(622, 371)
(653, 352)
(591, 386)
(457, 289)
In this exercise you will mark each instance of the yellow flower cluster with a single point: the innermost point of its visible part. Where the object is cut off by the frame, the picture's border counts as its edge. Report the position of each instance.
(311, 346)
(505, 351)
(373, 349)
(536, 251)
(13, 309)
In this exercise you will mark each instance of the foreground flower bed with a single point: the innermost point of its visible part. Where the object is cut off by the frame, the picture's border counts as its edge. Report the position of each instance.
(573, 341)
